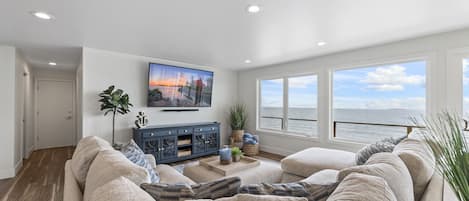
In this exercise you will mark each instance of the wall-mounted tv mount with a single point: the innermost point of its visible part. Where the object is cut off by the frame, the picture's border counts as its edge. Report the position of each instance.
(181, 110)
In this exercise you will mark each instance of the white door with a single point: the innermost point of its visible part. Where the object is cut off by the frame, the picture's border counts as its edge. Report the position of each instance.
(55, 114)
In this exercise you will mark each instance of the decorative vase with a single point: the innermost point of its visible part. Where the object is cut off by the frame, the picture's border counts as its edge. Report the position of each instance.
(225, 155)
(236, 158)
(237, 135)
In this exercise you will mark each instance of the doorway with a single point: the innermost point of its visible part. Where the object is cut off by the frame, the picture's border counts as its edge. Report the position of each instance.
(55, 113)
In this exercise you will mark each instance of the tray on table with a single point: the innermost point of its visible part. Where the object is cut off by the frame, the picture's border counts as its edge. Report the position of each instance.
(213, 164)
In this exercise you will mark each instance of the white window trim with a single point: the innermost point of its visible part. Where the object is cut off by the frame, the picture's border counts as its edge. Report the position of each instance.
(454, 79)
(427, 57)
(284, 132)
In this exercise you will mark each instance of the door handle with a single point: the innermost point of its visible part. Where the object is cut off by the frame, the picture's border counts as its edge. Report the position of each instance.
(68, 117)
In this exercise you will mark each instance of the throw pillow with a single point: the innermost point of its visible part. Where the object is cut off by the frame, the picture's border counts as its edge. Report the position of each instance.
(362, 187)
(419, 161)
(210, 190)
(132, 152)
(393, 140)
(389, 167)
(366, 152)
(313, 192)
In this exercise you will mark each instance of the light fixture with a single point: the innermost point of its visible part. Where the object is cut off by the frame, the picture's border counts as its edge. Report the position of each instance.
(254, 8)
(52, 64)
(42, 15)
(247, 61)
(321, 43)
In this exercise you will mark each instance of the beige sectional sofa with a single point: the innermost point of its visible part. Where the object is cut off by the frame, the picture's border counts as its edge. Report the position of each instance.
(96, 172)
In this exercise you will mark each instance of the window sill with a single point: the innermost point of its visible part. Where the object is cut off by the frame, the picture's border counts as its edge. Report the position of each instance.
(287, 134)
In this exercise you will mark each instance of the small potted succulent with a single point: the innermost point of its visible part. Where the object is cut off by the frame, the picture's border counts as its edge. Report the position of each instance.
(236, 154)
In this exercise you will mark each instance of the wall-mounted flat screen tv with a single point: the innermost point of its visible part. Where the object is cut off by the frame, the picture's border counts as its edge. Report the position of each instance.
(174, 86)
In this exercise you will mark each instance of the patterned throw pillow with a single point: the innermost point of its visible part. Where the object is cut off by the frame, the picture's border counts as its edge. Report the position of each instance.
(132, 152)
(313, 192)
(366, 152)
(394, 141)
(211, 190)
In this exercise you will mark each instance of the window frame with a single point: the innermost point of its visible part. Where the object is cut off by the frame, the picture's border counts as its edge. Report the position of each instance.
(427, 58)
(284, 131)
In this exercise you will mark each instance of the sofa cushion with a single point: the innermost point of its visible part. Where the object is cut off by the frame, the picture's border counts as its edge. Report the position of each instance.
(84, 154)
(120, 189)
(309, 161)
(389, 167)
(323, 177)
(169, 175)
(362, 187)
(419, 161)
(249, 197)
(136, 155)
(366, 152)
(210, 190)
(109, 165)
(311, 191)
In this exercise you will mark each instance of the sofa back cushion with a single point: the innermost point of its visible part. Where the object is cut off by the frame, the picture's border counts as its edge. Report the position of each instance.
(109, 165)
(419, 161)
(389, 167)
(362, 187)
(84, 154)
(120, 189)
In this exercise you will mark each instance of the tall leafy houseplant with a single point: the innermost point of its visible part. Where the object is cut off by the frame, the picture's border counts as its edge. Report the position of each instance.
(445, 137)
(238, 118)
(114, 102)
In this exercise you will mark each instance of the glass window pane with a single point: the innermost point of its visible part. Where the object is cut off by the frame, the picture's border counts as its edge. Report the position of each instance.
(271, 111)
(302, 105)
(373, 103)
(466, 88)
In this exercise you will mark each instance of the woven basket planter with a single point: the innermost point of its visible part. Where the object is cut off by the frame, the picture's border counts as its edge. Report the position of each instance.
(251, 149)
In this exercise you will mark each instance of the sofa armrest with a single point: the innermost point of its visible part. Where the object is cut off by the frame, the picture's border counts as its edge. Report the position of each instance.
(151, 159)
(72, 191)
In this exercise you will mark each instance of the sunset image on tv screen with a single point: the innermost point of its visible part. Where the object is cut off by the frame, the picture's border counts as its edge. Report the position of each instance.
(171, 86)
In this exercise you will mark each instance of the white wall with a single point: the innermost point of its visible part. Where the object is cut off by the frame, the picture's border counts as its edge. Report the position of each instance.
(28, 110)
(7, 116)
(435, 48)
(130, 73)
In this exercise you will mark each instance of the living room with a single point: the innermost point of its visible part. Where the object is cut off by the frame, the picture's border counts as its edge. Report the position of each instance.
(318, 84)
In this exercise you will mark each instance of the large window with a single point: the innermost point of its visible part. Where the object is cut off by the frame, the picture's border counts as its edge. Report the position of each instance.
(466, 88)
(291, 97)
(372, 103)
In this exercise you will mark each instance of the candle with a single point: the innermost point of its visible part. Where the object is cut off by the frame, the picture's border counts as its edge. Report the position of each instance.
(225, 153)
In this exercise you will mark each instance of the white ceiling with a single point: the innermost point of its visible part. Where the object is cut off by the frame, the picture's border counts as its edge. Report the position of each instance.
(219, 33)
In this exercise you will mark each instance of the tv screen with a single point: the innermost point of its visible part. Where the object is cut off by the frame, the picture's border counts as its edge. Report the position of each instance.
(173, 86)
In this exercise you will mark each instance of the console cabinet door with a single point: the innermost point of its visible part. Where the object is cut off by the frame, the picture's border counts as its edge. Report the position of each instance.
(211, 141)
(169, 147)
(152, 146)
(198, 143)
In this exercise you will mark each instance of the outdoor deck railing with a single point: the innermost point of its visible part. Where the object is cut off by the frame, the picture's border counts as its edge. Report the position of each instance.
(409, 128)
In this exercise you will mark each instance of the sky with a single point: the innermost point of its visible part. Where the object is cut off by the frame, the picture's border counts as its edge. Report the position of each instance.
(172, 75)
(397, 86)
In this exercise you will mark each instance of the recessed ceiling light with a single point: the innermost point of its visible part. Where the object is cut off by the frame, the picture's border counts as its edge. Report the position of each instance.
(247, 61)
(254, 8)
(322, 43)
(52, 64)
(42, 15)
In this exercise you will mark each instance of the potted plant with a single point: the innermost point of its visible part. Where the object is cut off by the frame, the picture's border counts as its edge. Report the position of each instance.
(236, 153)
(445, 136)
(238, 118)
(114, 102)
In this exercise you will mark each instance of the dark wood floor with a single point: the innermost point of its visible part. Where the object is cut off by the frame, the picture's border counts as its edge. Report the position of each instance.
(41, 177)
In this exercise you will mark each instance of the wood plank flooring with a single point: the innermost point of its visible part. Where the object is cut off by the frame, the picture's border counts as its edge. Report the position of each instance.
(41, 177)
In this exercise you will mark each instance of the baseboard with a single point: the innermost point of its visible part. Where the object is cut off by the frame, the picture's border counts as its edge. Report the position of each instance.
(276, 150)
(7, 173)
(18, 166)
(29, 151)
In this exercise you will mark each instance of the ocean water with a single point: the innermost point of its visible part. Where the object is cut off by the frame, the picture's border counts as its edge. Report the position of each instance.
(301, 120)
